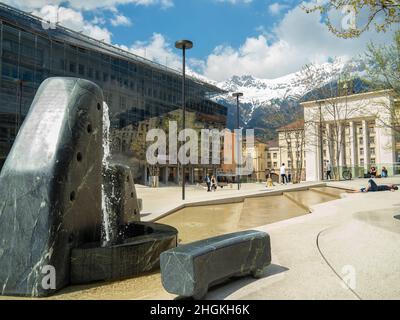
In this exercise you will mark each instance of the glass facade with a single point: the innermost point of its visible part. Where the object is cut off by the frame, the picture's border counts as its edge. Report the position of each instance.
(140, 94)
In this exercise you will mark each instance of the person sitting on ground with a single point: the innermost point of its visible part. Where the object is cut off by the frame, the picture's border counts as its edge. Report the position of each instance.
(372, 172)
(384, 173)
(373, 187)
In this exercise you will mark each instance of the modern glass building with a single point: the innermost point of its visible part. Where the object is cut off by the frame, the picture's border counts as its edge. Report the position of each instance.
(140, 93)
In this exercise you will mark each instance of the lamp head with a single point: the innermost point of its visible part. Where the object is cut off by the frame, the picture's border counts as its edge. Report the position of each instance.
(184, 44)
(237, 94)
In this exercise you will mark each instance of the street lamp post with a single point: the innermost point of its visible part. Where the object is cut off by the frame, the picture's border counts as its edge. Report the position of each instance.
(237, 95)
(321, 145)
(183, 45)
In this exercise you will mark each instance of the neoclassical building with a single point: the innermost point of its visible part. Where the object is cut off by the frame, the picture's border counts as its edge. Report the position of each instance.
(353, 132)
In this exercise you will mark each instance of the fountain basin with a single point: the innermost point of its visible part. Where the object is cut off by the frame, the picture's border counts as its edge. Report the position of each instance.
(137, 250)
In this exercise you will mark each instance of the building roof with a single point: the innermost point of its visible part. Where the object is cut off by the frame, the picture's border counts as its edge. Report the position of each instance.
(349, 97)
(272, 144)
(296, 125)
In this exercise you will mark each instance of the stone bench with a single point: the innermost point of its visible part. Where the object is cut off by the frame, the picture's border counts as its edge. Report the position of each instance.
(189, 270)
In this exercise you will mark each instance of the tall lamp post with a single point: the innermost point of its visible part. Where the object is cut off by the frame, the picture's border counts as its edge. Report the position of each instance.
(237, 95)
(321, 141)
(183, 45)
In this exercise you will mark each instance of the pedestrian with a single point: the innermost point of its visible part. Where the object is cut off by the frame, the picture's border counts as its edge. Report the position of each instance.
(328, 170)
(283, 174)
(213, 184)
(208, 183)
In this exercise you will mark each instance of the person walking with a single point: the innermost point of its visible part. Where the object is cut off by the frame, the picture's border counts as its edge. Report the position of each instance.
(283, 174)
(208, 182)
(213, 183)
(328, 170)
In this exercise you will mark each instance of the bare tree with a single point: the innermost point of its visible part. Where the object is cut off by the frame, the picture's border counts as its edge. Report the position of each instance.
(383, 72)
(382, 14)
(328, 122)
(294, 137)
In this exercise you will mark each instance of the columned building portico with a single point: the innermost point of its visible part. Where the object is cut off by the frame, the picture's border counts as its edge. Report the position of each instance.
(357, 138)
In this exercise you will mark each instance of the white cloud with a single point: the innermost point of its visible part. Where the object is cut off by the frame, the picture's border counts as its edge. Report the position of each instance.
(235, 1)
(74, 20)
(156, 49)
(84, 4)
(165, 4)
(299, 39)
(276, 8)
(120, 20)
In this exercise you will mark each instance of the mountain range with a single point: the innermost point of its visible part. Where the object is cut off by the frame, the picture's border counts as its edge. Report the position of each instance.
(268, 104)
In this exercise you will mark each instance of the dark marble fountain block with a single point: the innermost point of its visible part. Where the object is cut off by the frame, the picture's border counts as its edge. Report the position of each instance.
(137, 250)
(121, 193)
(189, 270)
(50, 187)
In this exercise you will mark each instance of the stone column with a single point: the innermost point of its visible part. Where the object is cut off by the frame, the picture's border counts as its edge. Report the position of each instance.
(166, 175)
(146, 181)
(178, 172)
(353, 147)
(191, 175)
(341, 137)
(329, 143)
(312, 154)
(366, 144)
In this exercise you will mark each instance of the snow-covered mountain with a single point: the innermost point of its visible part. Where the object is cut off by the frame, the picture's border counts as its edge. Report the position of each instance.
(262, 98)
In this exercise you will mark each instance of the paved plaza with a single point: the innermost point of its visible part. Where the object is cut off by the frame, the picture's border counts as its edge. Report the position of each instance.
(346, 249)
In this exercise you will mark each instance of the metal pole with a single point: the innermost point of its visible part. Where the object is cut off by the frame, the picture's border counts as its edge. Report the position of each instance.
(184, 115)
(183, 44)
(321, 146)
(237, 143)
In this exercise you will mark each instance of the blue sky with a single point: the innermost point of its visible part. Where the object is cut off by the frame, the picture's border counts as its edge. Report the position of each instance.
(207, 23)
(262, 38)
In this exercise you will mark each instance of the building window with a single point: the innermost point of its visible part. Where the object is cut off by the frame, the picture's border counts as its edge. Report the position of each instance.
(361, 162)
(372, 140)
(361, 151)
(360, 140)
(81, 69)
(275, 155)
(372, 161)
(275, 164)
(72, 67)
(372, 151)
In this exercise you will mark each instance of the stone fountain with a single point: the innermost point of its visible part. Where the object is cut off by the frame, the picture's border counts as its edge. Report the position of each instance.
(65, 216)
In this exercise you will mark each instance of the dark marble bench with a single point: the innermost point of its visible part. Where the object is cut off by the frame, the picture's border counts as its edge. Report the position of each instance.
(189, 270)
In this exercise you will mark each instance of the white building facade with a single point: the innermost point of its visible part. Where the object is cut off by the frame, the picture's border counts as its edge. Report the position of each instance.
(353, 132)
